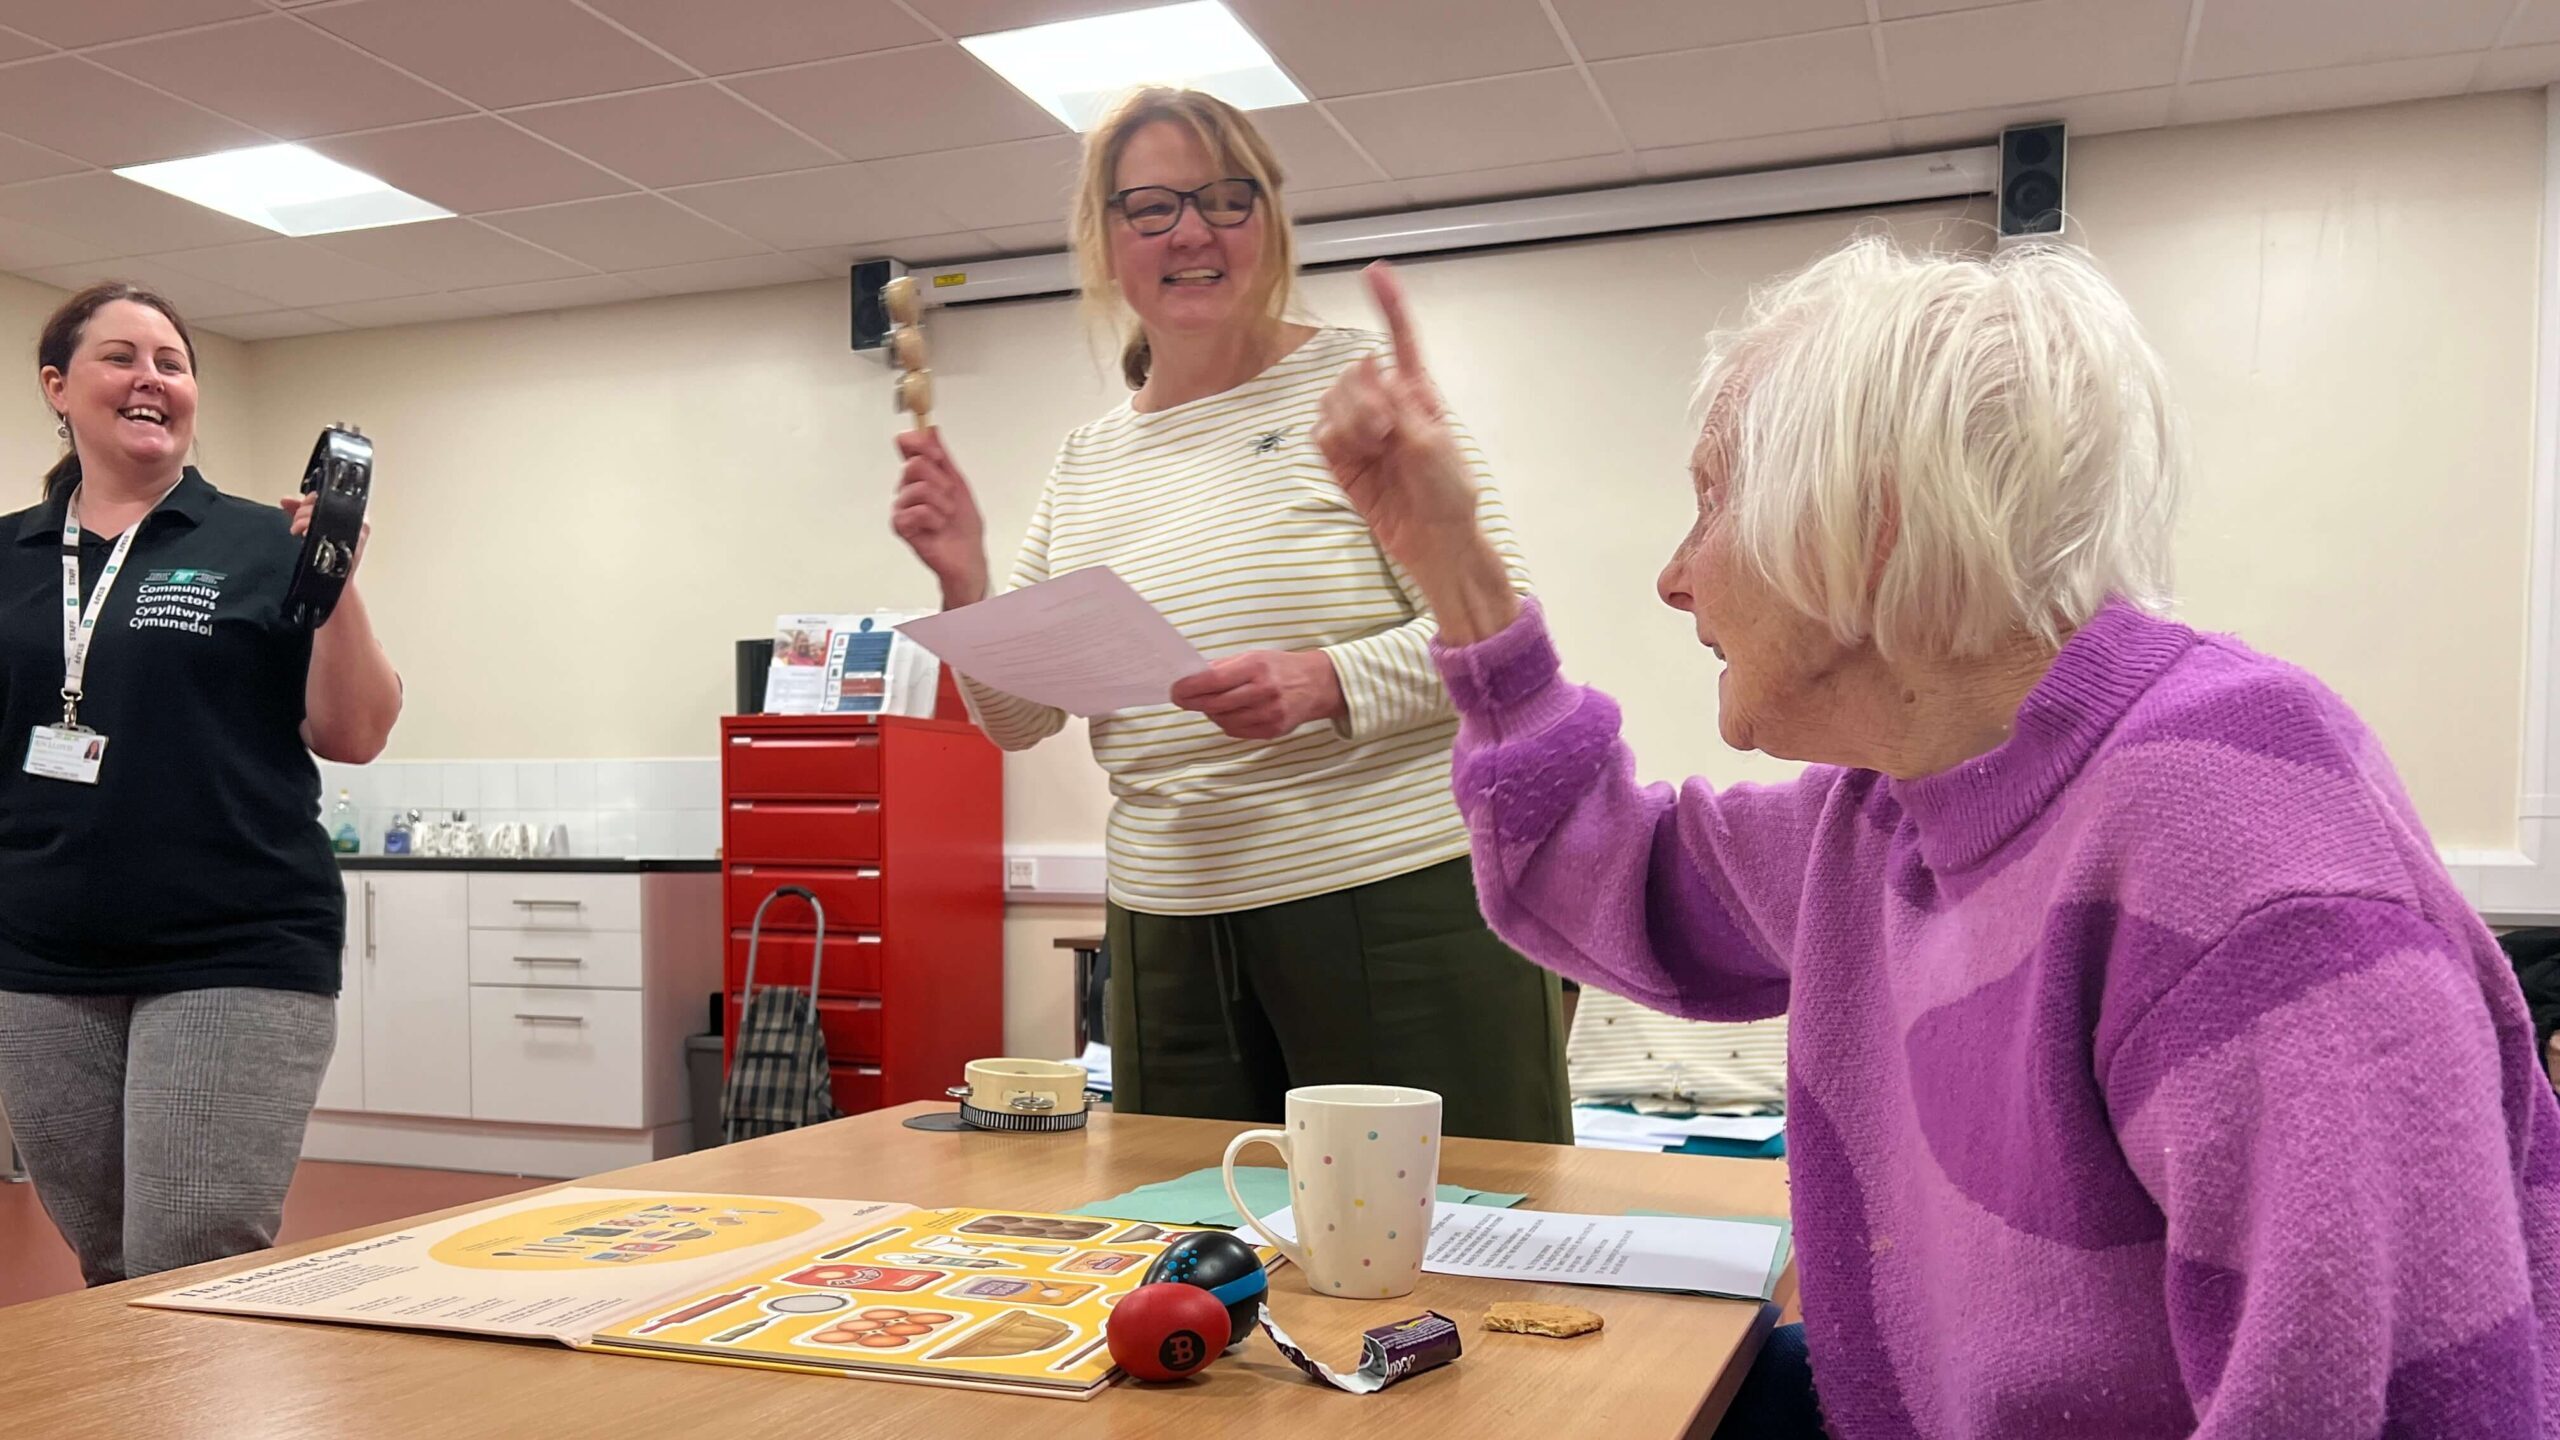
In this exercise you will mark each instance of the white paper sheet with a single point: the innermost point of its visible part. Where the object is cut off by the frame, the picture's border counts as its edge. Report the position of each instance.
(1084, 642)
(1616, 1125)
(1628, 1252)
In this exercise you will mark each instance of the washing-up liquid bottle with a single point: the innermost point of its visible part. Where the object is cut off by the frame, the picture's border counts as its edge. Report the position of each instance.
(343, 835)
(395, 841)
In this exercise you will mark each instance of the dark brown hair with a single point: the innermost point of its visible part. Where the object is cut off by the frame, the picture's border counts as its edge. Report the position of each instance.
(61, 338)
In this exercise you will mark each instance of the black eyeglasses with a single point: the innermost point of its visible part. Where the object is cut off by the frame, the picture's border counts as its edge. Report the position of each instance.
(1154, 209)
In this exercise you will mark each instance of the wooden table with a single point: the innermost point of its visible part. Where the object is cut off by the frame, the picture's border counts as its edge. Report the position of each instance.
(90, 1365)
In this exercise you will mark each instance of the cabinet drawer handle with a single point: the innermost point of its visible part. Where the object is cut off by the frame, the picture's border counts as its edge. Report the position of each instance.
(866, 1069)
(532, 1019)
(866, 1004)
(551, 904)
(866, 939)
(866, 873)
(549, 960)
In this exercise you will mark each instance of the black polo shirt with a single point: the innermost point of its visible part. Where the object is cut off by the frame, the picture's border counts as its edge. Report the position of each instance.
(197, 859)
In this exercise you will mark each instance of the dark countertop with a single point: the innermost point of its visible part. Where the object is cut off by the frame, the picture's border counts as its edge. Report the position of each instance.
(539, 865)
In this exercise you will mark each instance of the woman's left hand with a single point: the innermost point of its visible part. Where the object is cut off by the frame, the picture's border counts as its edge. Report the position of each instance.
(297, 511)
(1264, 694)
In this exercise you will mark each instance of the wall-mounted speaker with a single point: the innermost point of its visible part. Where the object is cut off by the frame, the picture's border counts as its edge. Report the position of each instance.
(871, 318)
(2031, 180)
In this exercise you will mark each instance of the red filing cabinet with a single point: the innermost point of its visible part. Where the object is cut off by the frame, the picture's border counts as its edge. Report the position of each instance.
(897, 826)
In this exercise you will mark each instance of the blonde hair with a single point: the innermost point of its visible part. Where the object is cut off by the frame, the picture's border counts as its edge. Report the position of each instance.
(1996, 429)
(1239, 151)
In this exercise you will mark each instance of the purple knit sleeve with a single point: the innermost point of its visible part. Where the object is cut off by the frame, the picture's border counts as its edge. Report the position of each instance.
(2316, 1108)
(1684, 902)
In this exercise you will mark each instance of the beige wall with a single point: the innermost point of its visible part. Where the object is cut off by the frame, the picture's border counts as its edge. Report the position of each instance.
(28, 446)
(579, 512)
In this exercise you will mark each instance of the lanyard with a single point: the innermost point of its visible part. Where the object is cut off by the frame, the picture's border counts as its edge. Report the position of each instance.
(79, 627)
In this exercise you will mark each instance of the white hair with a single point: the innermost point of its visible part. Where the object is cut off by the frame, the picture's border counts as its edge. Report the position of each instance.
(1996, 431)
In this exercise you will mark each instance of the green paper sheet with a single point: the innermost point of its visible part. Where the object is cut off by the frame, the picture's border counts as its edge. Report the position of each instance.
(1200, 1198)
(1777, 1258)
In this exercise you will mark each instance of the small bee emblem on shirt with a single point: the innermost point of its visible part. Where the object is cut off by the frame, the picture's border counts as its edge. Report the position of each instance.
(1265, 444)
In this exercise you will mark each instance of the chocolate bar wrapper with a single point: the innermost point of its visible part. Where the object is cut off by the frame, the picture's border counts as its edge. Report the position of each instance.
(1387, 1354)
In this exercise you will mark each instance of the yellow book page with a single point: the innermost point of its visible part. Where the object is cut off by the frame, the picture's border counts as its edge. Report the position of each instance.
(994, 1297)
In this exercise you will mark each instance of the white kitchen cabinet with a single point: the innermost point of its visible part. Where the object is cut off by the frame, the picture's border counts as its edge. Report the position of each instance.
(342, 1088)
(524, 1018)
(411, 948)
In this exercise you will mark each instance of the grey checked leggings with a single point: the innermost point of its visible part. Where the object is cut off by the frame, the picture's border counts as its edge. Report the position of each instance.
(162, 1130)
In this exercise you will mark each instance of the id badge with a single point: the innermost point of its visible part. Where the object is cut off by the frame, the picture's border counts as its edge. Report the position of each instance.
(58, 752)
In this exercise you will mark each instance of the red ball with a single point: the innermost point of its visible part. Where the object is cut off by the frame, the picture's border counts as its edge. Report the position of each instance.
(1166, 1331)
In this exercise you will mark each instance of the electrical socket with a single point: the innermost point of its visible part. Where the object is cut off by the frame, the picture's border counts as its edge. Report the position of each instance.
(1021, 872)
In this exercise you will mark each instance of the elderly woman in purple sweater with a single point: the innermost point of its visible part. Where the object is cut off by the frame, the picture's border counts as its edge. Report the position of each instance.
(2149, 1076)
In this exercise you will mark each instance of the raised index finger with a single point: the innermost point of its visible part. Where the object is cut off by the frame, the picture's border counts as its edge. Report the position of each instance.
(1388, 291)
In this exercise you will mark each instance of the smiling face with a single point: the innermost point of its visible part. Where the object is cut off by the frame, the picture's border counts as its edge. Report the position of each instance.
(129, 392)
(1196, 277)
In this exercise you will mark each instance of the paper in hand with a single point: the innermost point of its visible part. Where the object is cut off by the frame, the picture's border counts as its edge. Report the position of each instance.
(1085, 642)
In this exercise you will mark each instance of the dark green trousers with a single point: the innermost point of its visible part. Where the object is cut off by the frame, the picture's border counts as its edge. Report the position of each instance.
(1393, 983)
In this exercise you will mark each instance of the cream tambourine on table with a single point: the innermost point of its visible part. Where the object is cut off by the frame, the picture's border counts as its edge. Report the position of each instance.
(1007, 1094)
(1364, 1168)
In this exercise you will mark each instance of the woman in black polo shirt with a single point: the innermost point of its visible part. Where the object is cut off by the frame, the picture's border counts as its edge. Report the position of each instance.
(170, 916)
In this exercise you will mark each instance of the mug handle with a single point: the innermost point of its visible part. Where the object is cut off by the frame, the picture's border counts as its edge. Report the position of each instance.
(1277, 1140)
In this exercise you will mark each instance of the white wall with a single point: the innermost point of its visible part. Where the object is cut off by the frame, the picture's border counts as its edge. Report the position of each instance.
(578, 513)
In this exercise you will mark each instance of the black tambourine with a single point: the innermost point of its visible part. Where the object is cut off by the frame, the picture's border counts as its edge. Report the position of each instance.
(340, 480)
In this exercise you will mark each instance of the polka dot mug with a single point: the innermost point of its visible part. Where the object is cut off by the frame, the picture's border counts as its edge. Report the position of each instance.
(1364, 1163)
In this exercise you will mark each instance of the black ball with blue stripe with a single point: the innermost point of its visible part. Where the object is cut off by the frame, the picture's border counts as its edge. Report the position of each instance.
(1224, 1266)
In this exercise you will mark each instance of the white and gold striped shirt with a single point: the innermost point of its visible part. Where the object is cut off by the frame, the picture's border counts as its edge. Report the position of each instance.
(1222, 513)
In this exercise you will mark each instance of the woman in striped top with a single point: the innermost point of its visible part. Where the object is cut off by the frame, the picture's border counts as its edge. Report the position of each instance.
(1291, 902)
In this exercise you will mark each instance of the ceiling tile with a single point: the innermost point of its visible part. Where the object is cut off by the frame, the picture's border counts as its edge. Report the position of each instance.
(121, 217)
(1313, 155)
(25, 247)
(192, 295)
(1347, 200)
(870, 106)
(292, 272)
(271, 325)
(70, 105)
(919, 250)
(626, 232)
(747, 272)
(450, 254)
(1803, 82)
(1023, 183)
(1042, 239)
(558, 294)
(93, 22)
(1766, 152)
(810, 208)
(1350, 47)
(2251, 37)
(678, 136)
(2036, 51)
(282, 76)
(22, 161)
(752, 34)
(1516, 119)
(1589, 173)
(2538, 25)
(1608, 29)
(2516, 67)
(2086, 115)
(982, 17)
(500, 52)
(2295, 91)
(1905, 9)
(14, 46)
(472, 164)
(407, 310)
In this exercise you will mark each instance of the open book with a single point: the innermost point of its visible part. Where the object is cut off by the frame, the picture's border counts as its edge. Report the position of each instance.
(999, 1300)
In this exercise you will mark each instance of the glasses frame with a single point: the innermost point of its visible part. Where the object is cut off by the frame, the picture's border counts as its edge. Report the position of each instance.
(1191, 198)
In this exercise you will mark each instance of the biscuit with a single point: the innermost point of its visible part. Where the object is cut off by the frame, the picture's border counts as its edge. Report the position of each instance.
(1527, 1317)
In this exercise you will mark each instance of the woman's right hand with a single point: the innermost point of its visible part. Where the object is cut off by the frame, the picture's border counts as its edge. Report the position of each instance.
(938, 518)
